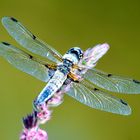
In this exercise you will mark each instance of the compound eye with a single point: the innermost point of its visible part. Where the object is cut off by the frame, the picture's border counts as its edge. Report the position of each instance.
(81, 55)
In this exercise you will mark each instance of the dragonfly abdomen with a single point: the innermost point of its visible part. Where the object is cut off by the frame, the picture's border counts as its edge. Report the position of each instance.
(50, 89)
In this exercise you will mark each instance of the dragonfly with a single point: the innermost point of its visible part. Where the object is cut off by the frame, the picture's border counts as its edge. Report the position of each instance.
(72, 73)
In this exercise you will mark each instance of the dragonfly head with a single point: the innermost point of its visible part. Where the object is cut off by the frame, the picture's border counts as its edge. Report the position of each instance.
(74, 54)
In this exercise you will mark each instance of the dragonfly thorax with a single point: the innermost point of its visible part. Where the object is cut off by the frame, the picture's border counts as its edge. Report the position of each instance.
(74, 55)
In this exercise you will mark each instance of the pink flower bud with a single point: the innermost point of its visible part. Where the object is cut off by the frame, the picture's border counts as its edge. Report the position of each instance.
(34, 134)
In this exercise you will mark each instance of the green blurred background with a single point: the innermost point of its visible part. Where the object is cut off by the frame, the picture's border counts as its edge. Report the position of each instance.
(64, 24)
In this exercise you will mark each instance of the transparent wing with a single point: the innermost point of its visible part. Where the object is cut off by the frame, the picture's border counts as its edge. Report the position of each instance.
(97, 99)
(25, 62)
(25, 38)
(112, 82)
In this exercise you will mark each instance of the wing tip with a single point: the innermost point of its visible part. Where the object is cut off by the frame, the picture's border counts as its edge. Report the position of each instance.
(106, 46)
(127, 111)
(4, 19)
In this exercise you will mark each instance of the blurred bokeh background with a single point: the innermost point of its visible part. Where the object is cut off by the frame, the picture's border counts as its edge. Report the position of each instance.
(64, 24)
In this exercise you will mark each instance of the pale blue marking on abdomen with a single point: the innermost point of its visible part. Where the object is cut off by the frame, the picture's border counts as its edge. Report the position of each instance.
(44, 95)
(49, 90)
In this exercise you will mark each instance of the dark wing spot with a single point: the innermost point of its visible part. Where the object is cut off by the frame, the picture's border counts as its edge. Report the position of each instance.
(123, 102)
(13, 19)
(109, 75)
(95, 89)
(76, 81)
(5, 43)
(30, 56)
(136, 81)
(34, 37)
(46, 66)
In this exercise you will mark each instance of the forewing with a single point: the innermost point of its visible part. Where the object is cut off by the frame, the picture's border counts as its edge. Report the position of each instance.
(112, 82)
(25, 38)
(97, 99)
(25, 62)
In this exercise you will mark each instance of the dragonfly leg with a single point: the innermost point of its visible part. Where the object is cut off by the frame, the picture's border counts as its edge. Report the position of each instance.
(74, 77)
